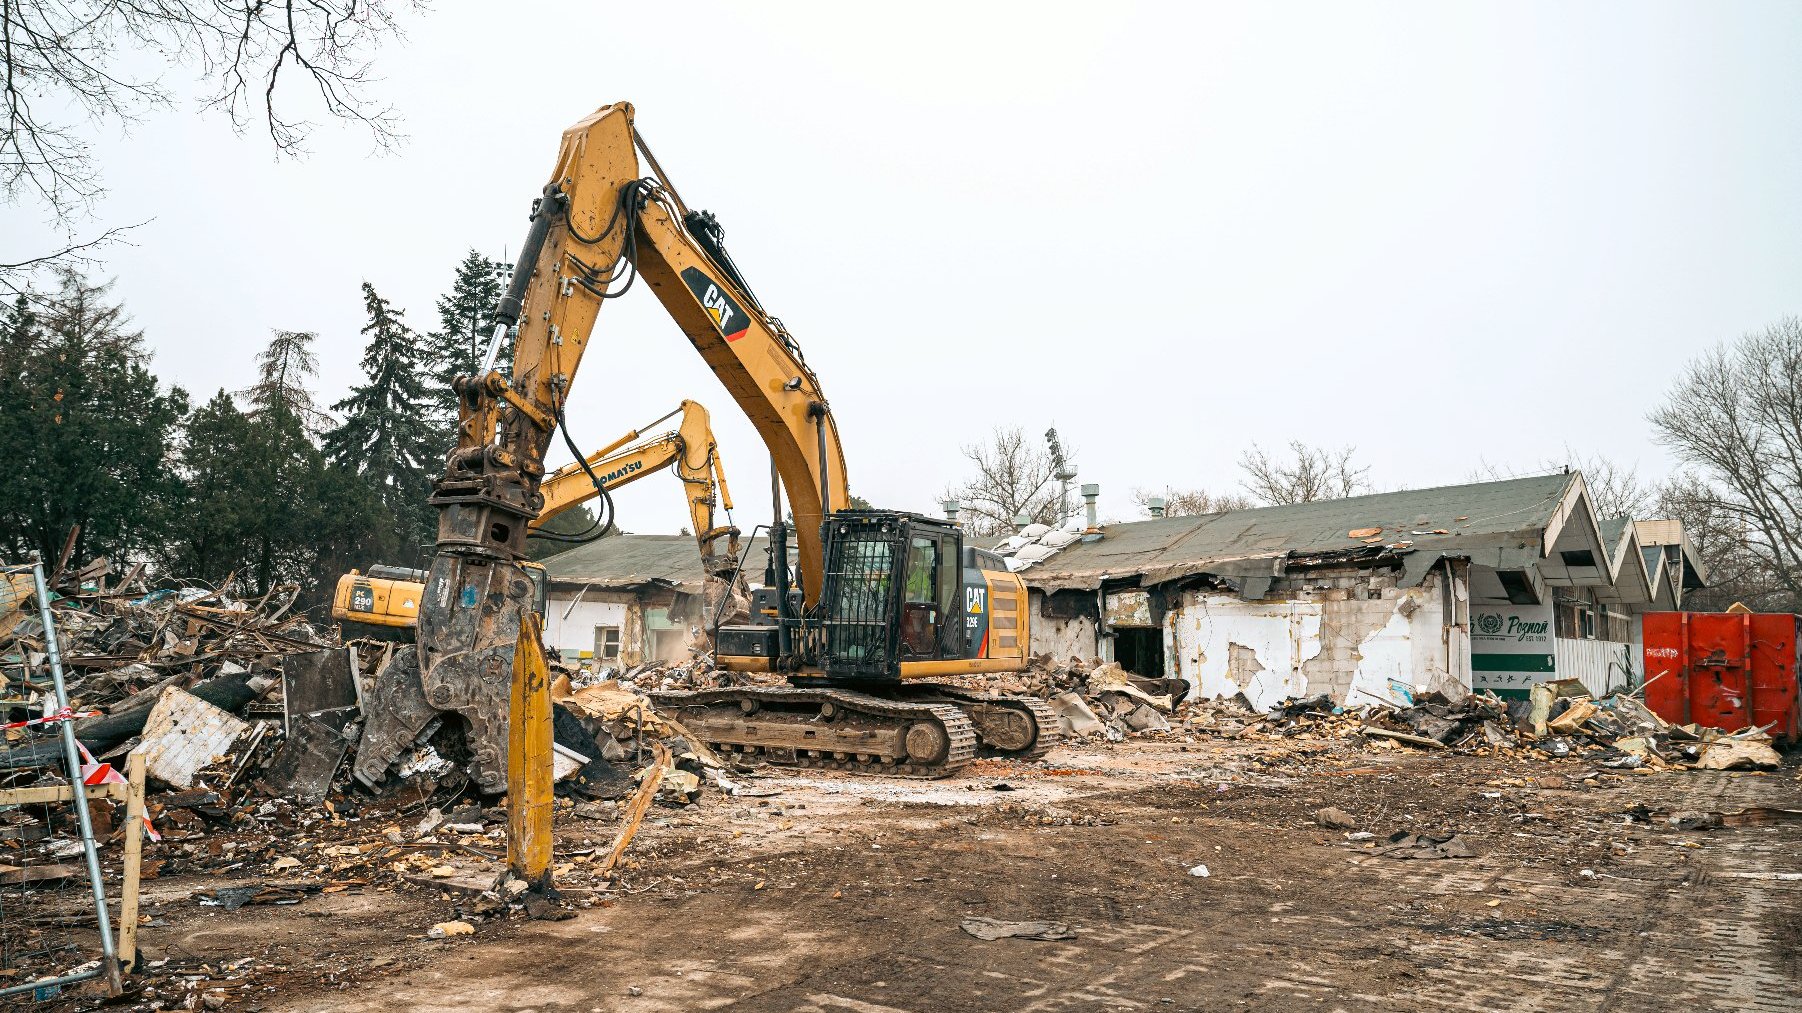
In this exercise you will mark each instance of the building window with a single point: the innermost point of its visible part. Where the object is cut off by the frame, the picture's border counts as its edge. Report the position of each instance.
(1576, 619)
(606, 643)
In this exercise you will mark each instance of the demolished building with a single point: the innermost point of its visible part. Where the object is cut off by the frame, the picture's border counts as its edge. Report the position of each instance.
(627, 600)
(1373, 599)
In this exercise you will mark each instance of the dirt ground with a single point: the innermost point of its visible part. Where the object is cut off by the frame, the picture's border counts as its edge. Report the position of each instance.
(836, 893)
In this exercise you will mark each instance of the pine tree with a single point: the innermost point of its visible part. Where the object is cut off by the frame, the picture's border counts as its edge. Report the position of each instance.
(387, 437)
(87, 430)
(262, 504)
(218, 534)
(18, 331)
(284, 367)
(260, 499)
(465, 321)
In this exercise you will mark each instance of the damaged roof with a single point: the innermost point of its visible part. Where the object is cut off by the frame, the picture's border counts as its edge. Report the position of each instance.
(1501, 524)
(625, 562)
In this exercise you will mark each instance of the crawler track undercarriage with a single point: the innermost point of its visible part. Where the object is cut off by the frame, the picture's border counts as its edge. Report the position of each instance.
(907, 730)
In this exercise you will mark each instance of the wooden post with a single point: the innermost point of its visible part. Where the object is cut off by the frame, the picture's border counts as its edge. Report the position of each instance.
(134, 854)
(530, 784)
(641, 803)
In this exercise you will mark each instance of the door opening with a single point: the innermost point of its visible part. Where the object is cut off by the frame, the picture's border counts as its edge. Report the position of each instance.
(1140, 650)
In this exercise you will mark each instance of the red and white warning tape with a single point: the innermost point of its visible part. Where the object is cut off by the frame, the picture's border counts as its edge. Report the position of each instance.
(66, 714)
(93, 772)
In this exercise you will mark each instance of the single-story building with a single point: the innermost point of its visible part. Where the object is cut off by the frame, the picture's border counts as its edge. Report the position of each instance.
(626, 600)
(1492, 585)
(1373, 599)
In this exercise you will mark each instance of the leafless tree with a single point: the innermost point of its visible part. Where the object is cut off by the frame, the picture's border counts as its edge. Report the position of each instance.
(1616, 489)
(1191, 502)
(67, 66)
(1735, 572)
(1312, 473)
(1735, 416)
(1013, 476)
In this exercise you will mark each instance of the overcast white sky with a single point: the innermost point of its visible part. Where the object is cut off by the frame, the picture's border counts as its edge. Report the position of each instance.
(1444, 233)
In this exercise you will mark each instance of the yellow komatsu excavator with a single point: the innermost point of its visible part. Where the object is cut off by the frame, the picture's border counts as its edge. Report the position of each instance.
(880, 601)
(384, 602)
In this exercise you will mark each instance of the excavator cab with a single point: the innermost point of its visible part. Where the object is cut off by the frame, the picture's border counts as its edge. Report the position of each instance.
(893, 593)
(902, 601)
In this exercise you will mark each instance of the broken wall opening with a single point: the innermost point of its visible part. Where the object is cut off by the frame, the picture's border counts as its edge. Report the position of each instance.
(1140, 650)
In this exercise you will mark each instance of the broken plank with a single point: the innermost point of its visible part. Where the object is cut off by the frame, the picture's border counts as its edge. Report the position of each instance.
(57, 793)
(1412, 740)
(15, 875)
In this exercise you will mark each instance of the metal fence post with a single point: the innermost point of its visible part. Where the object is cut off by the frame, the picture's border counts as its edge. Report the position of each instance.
(66, 727)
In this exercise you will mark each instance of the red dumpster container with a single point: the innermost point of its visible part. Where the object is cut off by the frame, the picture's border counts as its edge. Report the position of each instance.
(1724, 670)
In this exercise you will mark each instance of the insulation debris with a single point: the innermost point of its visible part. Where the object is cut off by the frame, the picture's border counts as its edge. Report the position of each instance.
(183, 735)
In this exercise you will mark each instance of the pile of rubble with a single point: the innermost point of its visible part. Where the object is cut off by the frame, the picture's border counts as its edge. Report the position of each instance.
(126, 650)
(1558, 719)
(250, 722)
(249, 719)
(1093, 698)
(223, 691)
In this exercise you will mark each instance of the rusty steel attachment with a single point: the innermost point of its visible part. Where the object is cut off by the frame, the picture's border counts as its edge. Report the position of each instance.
(469, 624)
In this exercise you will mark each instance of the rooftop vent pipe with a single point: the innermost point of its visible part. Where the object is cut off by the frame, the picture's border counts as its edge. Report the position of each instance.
(1155, 506)
(1090, 493)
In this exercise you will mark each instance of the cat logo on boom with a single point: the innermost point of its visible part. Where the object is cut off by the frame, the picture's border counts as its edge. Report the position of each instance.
(727, 315)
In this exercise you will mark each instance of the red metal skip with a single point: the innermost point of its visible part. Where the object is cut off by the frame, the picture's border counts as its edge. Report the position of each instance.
(1724, 670)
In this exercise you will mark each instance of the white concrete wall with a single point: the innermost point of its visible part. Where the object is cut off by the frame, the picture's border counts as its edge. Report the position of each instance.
(1605, 666)
(1060, 638)
(576, 633)
(1356, 637)
(1224, 645)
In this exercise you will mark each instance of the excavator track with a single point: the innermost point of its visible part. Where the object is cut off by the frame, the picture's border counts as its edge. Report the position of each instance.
(1015, 727)
(828, 729)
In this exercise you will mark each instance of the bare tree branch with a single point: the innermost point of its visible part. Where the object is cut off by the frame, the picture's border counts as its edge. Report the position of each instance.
(1735, 417)
(79, 255)
(1314, 473)
(1191, 502)
(1616, 489)
(63, 54)
(1013, 476)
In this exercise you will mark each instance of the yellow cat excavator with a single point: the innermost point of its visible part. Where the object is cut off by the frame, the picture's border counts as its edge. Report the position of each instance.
(880, 601)
(384, 602)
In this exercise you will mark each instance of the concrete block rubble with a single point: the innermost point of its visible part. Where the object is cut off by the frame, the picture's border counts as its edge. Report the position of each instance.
(234, 694)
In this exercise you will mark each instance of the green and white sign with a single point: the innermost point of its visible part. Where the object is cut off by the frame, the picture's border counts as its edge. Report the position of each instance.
(1510, 648)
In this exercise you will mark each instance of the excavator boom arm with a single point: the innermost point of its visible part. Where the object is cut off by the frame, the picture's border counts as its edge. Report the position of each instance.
(693, 454)
(599, 225)
(598, 228)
